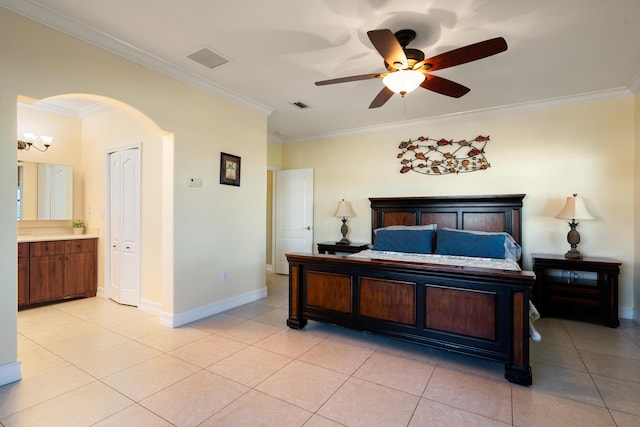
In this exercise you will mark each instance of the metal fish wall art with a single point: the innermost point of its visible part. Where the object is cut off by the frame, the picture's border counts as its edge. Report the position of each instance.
(431, 156)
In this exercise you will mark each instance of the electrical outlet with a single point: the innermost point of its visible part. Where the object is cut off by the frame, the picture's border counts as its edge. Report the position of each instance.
(224, 276)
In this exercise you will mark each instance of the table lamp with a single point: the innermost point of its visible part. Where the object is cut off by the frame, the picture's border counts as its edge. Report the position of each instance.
(574, 208)
(345, 211)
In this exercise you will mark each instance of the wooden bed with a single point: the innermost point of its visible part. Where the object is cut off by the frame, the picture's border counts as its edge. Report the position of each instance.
(474, 311)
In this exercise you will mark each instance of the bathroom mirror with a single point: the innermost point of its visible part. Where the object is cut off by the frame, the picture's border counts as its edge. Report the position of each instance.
(45, 191)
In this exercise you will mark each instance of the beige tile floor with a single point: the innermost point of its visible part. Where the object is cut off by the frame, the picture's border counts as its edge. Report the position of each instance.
(92, 362)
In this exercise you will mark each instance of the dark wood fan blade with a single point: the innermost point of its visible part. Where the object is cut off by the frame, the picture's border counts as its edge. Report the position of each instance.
(465, 54)
(444, 86)
(388, 47)
(382, 97)
(348, 79)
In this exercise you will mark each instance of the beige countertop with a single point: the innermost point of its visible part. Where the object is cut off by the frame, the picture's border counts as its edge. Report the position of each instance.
(49, 237)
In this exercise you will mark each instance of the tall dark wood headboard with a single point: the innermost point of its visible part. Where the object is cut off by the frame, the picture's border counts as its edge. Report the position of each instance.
(500, 212)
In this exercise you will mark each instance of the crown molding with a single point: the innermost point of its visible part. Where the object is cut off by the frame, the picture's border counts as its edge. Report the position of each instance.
(92, 109)
(634, 86)
(274, 137)
(474, 114)
(72, 27)
(68, 112)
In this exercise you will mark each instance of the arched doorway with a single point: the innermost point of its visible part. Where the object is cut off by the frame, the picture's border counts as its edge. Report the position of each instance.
(97, 125)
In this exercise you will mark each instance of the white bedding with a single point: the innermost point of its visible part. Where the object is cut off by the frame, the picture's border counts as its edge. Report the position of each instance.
(499, 264)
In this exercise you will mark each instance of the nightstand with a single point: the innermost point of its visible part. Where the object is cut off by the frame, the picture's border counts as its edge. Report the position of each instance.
(586, 288)
(332, 247)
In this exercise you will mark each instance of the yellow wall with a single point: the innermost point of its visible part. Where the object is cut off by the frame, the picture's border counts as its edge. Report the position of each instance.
(274, 162)
(205, 230)
(66, 131)
(547, 154)
(274, 155)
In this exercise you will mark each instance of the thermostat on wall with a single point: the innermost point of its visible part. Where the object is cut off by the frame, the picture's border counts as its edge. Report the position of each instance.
(194, 182)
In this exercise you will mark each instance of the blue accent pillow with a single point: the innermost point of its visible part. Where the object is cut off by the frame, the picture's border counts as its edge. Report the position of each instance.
(466, 243)
(413, 241)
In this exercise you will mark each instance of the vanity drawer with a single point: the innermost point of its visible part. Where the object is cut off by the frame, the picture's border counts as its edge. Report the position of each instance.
(80, 245)
(39, 249)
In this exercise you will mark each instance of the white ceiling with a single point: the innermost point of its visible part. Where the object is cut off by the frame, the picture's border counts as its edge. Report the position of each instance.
(559, 51)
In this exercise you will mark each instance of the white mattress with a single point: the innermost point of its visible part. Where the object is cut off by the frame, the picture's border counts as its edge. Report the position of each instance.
(498, 264)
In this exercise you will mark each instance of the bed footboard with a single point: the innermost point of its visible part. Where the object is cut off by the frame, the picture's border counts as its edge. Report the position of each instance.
(477, 312)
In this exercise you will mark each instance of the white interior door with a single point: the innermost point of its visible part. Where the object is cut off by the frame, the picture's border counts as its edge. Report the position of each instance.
(294, 215)
(115, 203)
(124, 226)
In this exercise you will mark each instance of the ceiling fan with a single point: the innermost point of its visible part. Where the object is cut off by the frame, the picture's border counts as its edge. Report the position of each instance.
(407, 68)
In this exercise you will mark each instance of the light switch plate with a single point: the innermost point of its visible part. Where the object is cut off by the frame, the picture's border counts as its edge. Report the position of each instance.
(194, 182)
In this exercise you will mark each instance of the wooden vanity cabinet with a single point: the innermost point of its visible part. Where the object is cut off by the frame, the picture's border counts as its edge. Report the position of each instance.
(80, 267)
(46, 275)
(58, 269)
(23, 273)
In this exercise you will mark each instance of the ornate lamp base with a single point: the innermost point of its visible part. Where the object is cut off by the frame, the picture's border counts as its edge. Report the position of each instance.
(573, 237)
(573, 254)
(344, 230)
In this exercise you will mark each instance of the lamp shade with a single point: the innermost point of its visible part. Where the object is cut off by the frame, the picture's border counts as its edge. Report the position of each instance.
(30, 137)
(403, 81)
(344, 210)
(574, 208)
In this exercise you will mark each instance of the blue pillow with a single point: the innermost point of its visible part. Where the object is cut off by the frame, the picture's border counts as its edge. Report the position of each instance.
(413, 241)
(464, 243)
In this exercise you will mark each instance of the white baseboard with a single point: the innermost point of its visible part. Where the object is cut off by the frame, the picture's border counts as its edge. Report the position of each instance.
(10, 373)
(180, 319)
(151, 307)
(147, 306)
(628, 313)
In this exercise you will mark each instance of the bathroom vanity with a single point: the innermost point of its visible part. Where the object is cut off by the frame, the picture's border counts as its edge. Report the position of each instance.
(54, 268)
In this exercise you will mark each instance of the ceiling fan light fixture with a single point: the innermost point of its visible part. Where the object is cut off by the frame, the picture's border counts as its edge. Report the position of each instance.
(403, 81)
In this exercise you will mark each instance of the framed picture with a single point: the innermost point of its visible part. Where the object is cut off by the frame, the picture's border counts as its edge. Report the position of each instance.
(229, 169)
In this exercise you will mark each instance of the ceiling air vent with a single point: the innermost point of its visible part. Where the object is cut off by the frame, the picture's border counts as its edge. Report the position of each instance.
(208, 58)
(301, 105)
